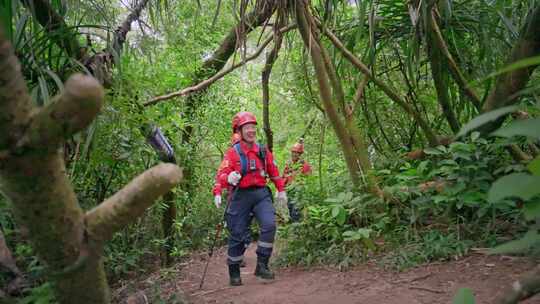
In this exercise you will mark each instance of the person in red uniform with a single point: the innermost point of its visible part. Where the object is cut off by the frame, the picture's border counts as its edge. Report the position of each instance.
(296, 165)
(235, 138)
(246, 167)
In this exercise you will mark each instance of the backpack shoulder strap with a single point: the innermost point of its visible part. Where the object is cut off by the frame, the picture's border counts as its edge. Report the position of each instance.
(262, 155)
(243, 158)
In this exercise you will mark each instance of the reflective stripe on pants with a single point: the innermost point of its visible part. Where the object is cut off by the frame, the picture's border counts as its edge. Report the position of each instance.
(257, 201)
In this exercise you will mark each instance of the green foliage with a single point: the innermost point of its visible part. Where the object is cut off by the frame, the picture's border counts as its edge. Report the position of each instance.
(527, 127)
(43, 294)
(524, 186)
(340, 224)
(485, 118)
(329, 232)
(454, 180)
(424, 247)
(464, 296)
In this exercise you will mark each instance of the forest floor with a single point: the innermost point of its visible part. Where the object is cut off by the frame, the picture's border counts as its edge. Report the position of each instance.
(436, 282)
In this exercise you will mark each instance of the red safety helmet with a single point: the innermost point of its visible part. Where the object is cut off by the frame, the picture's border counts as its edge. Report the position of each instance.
(242, 118)
(235, 138)
(298, 148)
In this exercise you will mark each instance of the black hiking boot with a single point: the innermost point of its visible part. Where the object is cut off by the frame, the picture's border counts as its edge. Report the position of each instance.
(262, 271)
(234, 275)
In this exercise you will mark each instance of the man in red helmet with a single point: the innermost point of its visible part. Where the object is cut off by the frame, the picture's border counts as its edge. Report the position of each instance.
(296, 165)
(235, 138)
(246, 167)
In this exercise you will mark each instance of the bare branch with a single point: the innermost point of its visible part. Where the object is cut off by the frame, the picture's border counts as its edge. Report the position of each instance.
(131, 201)
(432, 139)
(454, 69)
(121, 32)
(265, 79)
(262, 11)
(206, 83)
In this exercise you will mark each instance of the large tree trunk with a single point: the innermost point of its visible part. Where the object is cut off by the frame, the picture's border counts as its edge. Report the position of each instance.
(33, 178)
(440, 78)
(265, 79)
(350, 137)
(454, 69)
(312, 44)
(509, 83)
(100, 65)
(354, 135)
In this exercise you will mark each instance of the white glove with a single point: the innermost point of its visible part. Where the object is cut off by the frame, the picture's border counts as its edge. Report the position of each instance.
(233, 178)
(282, 209)
(217, 201)
(281, 198)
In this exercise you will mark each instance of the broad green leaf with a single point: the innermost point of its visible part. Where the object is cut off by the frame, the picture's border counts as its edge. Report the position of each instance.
(520, 185)
(340, 214)
(423, 166)
(464, 296)
(485, 118)
(43, 89)
(342, 217)
(335, 211)
(531, 210)
(332, 200)
(364, 232)
(439, 198)
(56, 79)
(433, 151)
(348, 196)
(348, 233)
(529, 240)
(523, 63)
(527, 127)
(534, 166)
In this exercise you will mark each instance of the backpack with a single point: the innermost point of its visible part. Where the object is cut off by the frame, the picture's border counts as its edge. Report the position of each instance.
(244, 160)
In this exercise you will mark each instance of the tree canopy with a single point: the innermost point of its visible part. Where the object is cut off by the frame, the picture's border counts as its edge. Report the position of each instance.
(416, 116)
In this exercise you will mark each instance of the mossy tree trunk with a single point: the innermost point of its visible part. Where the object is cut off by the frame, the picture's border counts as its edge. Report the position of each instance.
(33, 178)
(311, 42)
(440, 77)
(332, 96)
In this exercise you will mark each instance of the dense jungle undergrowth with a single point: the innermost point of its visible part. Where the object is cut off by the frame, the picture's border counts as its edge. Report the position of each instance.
(419, 120)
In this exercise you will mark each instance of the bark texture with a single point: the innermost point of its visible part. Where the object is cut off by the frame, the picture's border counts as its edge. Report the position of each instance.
(440, 79)
(314, 48)
(510, 83)
(454, 69)
(33, 178)
(265, 79)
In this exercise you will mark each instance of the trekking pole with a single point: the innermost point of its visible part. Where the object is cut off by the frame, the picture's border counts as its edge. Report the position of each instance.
(216, 236)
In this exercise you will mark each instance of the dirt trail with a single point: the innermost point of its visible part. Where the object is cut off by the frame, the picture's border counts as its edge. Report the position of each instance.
(487, 276)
